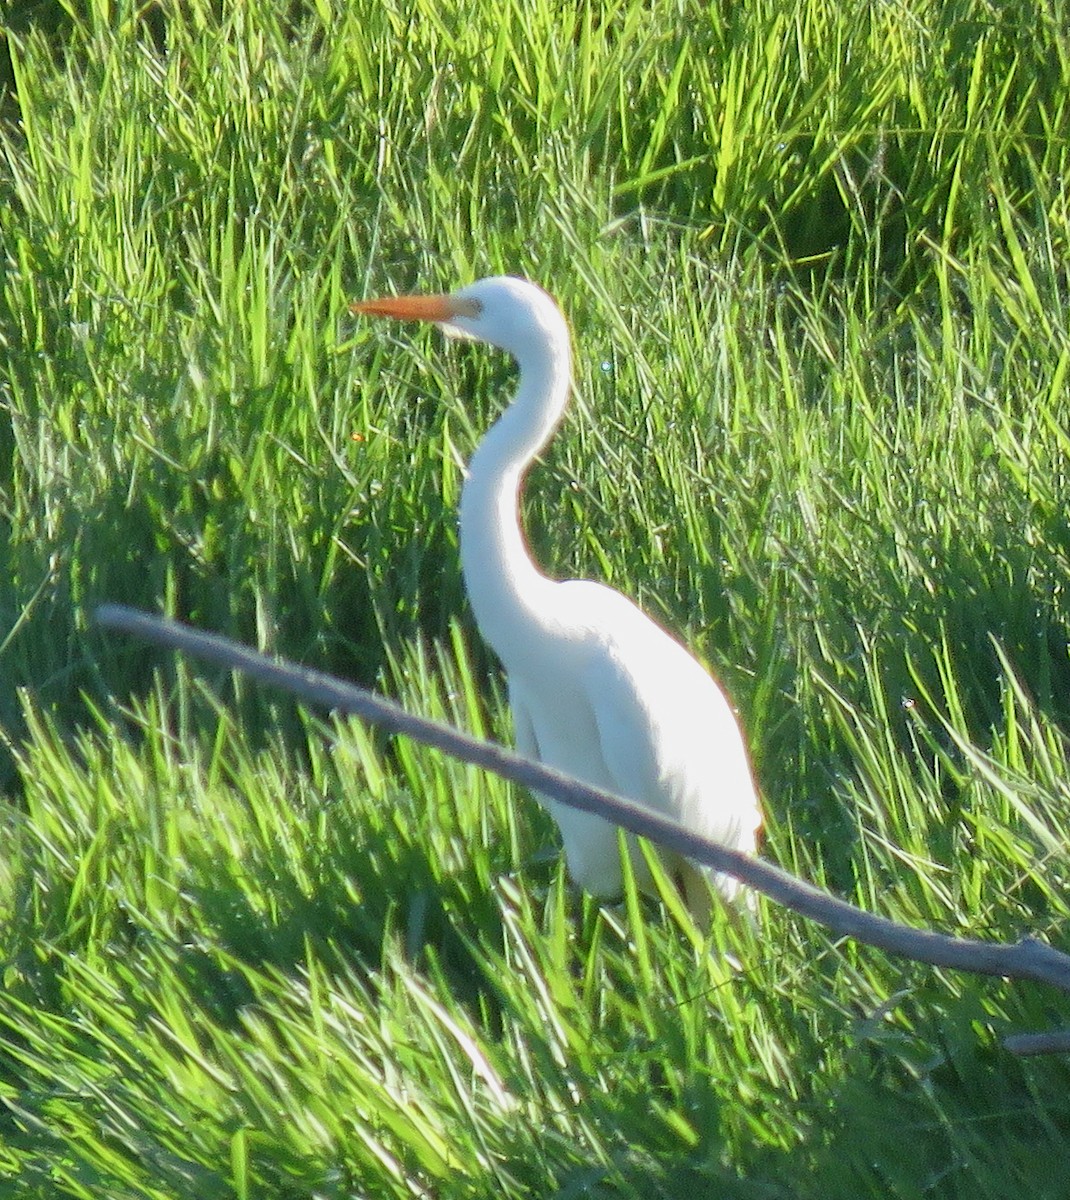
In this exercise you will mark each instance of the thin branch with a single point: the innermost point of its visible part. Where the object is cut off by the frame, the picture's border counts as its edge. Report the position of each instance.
(1025, 1044)
(1027, 959)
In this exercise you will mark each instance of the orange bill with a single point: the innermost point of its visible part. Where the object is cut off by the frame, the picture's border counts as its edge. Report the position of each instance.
(408, 308)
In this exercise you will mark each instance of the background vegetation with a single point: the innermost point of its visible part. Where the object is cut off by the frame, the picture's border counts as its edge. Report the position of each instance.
(815, 259)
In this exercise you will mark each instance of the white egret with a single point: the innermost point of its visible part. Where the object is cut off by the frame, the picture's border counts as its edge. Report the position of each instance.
(597, 688)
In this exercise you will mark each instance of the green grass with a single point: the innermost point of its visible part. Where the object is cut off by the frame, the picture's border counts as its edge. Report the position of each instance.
(814, 257)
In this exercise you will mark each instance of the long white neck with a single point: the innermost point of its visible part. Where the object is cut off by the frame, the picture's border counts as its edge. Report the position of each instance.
(506, 589)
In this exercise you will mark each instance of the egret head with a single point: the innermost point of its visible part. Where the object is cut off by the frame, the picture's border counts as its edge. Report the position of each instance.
(504, 311)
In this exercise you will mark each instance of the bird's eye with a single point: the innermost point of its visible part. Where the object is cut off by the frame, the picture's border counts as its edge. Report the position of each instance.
(470, 307)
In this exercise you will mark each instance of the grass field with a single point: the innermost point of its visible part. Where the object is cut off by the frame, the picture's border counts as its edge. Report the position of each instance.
(815, 258)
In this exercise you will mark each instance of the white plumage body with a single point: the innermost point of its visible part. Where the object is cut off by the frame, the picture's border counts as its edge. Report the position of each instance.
(595, 721)
(597, 689)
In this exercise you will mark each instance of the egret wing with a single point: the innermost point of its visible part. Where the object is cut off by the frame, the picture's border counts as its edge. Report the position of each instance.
(668, 735)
